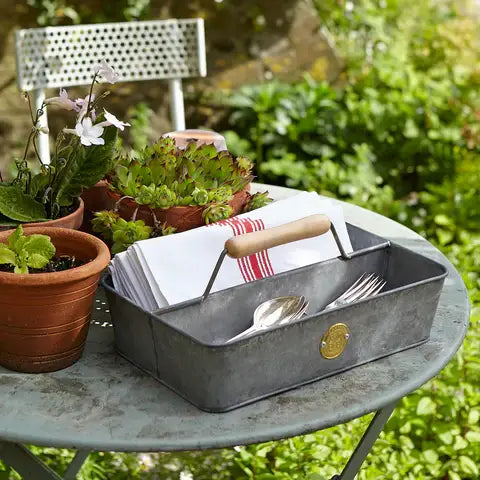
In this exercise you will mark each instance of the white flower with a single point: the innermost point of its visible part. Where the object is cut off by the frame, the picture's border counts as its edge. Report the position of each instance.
(105, 71)
(111, 119)
(89, 134)
(62, 101)
(186, 476)
(146, 460)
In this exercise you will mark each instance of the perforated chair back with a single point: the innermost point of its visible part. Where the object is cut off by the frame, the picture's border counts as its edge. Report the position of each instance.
(55, 57)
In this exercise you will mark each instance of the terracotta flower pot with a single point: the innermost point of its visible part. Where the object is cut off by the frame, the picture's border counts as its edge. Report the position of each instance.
(73, 220)
(182, 218)
(95, 200)
(44, 317)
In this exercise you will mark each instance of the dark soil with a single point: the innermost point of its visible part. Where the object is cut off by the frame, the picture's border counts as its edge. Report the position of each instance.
(57, 264)
(64, 211)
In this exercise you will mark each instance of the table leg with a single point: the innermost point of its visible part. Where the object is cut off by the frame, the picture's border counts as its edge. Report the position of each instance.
(76, 464)
(23, 461)
(366, 443)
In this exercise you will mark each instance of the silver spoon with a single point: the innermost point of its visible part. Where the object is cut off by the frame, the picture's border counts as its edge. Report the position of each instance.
(277, 310)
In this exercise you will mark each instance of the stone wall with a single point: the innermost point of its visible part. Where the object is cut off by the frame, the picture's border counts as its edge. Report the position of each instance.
(248, 41)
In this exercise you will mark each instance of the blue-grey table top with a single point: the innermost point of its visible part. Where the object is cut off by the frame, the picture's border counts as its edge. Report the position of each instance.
(104, 403)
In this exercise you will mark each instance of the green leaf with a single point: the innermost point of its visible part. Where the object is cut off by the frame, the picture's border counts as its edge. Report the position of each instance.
(468, 466)
(446, 437)
(15, 239)
(442, 220)
(37, 260)
(39, 183)
(7, 222)
(473, 437)
(453, 475)
(17, 205)
(460, 443)
(86, 166)
(39, 245)
(73, 156)
(6, 255)
(22, 269)
(430, 456)
(411, 130)
(21, 263)
(473, 416)
(444, 236)
(426, 406)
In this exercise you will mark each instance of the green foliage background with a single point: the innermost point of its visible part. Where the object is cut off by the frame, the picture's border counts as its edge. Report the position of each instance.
(399, 134)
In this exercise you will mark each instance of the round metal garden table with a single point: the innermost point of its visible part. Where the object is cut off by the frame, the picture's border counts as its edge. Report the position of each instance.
(104, 403)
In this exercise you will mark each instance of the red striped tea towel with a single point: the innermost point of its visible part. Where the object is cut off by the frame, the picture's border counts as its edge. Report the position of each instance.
(167, 270)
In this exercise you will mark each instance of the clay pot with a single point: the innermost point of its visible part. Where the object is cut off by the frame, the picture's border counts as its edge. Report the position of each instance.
(182, 218)
(73, 220)
(44, 317)
(95, 200)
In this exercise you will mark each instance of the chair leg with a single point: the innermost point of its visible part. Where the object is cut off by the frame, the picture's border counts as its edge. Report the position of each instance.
(43, 144)
(176, 104)
(366, 443)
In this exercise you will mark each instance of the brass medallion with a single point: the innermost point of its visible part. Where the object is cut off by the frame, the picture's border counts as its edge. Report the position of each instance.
(334, 341)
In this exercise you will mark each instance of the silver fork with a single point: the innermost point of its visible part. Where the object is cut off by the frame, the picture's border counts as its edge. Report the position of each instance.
(366, 286)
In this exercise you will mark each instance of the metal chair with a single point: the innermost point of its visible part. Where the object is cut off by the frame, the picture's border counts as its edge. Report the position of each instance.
(55, 57)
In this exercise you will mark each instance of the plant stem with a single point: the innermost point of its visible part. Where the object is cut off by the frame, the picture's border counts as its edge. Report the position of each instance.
(97, 100)
(27, 96)
(36, 150)
(27, 145)
(90, 93)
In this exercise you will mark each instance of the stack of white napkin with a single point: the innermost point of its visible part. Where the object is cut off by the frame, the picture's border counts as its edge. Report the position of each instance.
(163, 271)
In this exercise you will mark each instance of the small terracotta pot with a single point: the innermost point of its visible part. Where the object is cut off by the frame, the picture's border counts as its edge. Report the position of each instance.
(95, 199)
(44, 317)
(182, 218)
(73, 220)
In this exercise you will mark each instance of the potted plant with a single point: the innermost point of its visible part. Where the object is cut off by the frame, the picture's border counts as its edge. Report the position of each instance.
(48, 280)
(50, 194)
(166, 189)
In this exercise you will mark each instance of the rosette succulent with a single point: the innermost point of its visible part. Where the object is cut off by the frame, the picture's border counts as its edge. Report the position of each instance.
(216, 212)
(257, 200)
(126, 233)
(200, 196)
(123, 233)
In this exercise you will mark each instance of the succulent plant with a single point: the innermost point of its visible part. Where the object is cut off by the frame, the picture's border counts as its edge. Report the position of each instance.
(126, 233)
(104, 222)
(216, 212)
(257, 200)
(195, 175)
(222, 194)
(163, 197)
(200, 196)
(145, 195)
(121, 232)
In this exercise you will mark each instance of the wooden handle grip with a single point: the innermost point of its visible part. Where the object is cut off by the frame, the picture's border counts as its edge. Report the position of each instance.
(254, 242)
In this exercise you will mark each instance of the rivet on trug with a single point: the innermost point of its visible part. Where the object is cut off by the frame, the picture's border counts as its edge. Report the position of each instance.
(347, 336)
(324, 344)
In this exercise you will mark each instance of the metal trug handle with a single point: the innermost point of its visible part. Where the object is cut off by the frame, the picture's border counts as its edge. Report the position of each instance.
(254, 242)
